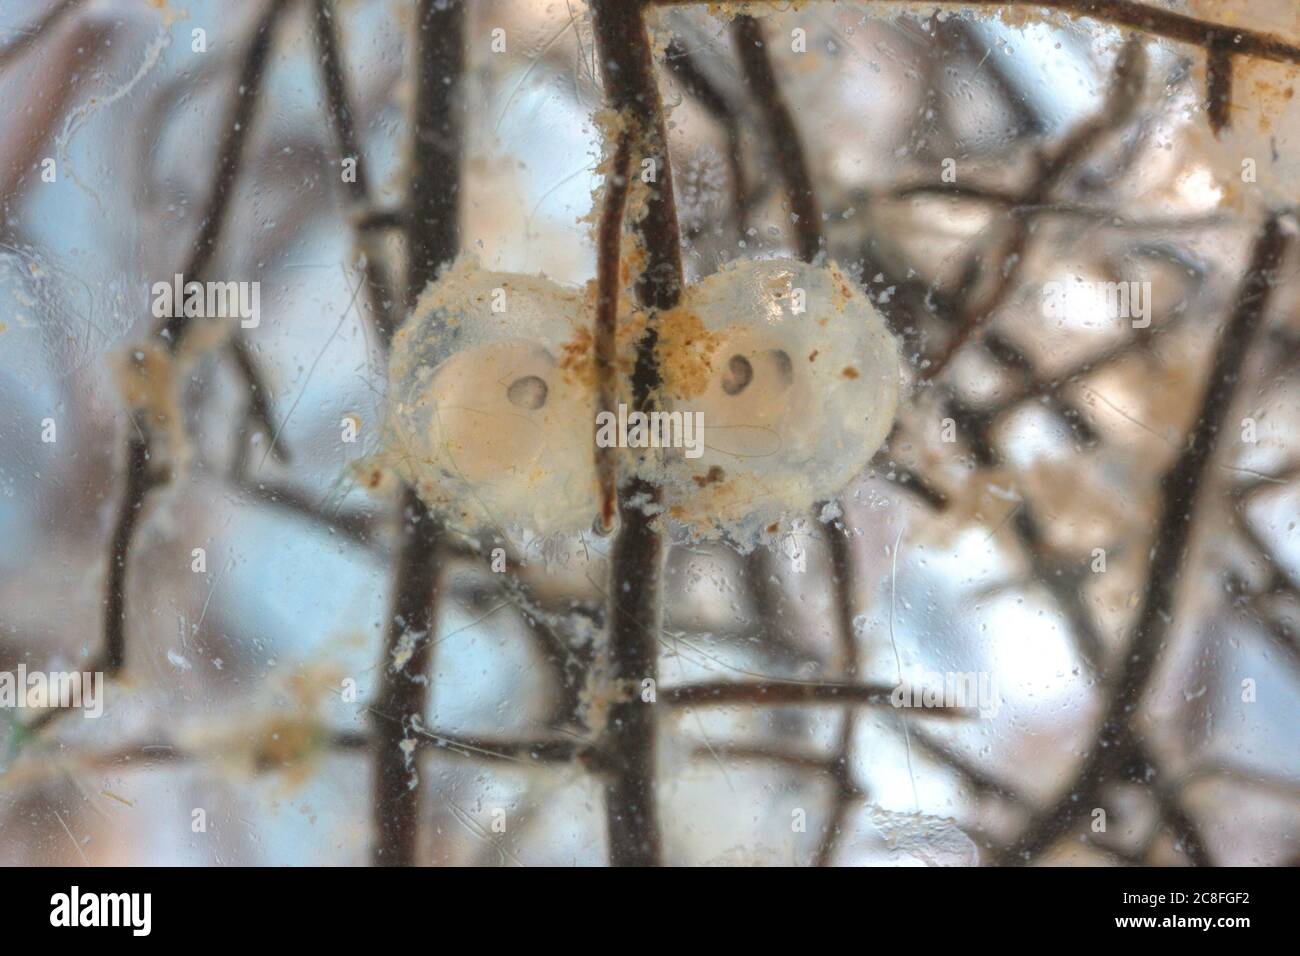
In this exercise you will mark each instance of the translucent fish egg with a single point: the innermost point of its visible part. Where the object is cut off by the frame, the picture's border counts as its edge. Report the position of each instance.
(796, 379)
(486, 419)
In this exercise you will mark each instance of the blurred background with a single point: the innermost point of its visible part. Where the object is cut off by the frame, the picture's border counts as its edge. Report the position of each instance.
(1019, 523)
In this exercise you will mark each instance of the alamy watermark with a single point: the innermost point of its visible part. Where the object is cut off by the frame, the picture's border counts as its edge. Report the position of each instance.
(967, 690)
(209, 300)
(75, 908)
(683, 430)
(39, 690)
(1117, 300)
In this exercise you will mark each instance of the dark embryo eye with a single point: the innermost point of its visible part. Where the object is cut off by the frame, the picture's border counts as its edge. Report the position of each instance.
(739, 374)
(783, 365)
(528, 392)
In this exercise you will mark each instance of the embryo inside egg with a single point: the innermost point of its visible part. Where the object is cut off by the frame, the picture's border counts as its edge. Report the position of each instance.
(495, 407)
(754, 400)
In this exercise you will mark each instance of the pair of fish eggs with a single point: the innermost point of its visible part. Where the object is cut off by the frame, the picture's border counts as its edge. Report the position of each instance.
(779, 382)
